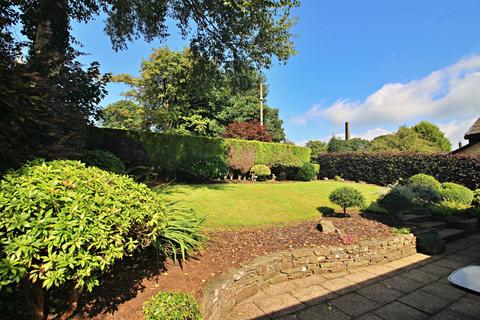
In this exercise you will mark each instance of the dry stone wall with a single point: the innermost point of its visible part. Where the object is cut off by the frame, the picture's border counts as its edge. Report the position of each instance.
(223, 292)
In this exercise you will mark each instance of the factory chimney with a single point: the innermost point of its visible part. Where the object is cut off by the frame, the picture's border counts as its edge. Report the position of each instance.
(347, 131)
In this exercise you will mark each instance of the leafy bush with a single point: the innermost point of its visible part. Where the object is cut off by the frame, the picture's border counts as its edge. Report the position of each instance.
(425, 180)
(387, 168)
(241, 158)
(316, 167)
(172, 306)
(104, 160)
(476, 198)
(204, 169)
(63, 224)
(407, 197)
(448, 208)
(261, 171)
(304, 173)
(456, 193)
(347, 197)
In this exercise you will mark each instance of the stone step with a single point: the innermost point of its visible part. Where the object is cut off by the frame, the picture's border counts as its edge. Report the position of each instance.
(467, 224)
(415, 218)
(451, 234)
(428, 225)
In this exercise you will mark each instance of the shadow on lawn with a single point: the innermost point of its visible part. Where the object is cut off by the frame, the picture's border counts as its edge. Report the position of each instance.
(328, 212)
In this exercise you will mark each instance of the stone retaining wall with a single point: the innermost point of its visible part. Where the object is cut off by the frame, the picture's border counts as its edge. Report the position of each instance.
(220, 294)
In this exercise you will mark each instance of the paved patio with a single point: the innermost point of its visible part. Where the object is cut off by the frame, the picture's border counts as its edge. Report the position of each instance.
(415, 287)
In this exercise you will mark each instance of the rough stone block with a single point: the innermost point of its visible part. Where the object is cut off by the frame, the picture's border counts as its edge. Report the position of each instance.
(246, 292)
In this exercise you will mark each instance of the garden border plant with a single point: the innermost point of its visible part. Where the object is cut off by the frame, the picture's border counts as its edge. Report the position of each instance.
(64, 224)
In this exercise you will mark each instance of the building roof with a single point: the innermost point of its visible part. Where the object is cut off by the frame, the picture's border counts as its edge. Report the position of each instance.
(474, 129)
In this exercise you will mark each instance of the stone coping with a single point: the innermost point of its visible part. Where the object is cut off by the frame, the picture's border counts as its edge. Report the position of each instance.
(222, 293)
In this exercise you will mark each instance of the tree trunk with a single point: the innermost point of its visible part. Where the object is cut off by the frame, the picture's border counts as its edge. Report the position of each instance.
(52, 36)
(73, 305)
(35, 299)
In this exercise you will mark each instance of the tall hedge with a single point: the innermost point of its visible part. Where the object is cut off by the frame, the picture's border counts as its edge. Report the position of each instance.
(169, 152)
(386, 168)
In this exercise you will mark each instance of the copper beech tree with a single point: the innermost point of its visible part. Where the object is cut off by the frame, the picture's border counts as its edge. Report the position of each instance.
(249, 130)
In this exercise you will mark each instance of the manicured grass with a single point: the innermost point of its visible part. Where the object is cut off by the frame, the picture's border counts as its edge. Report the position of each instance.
(237, 205)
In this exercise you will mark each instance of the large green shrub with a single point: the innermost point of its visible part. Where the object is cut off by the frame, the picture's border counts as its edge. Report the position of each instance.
(104, 160)
(425, 180)
(388, 168)
(304, 173)
(204, 169)
(407, 197)
(347, 197)
(261, 171)
(63, 224)
(171, 306)
(456, 193)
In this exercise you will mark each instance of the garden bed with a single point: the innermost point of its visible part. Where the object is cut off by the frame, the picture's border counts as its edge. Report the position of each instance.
(132, 282)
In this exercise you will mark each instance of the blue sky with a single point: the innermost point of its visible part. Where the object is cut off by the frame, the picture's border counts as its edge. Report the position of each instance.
(378, 64)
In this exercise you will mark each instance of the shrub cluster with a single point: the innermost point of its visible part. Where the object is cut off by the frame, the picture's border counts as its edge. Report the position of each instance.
(203, 169)
(172, 306)
(456, 193)
(261, 171)
(104, 160)
(387, 168)
(64, 224)
(304, 173)
(168, 153)
(425, 180)
(347, 197)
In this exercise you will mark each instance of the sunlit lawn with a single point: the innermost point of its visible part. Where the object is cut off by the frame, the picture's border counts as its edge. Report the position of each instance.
(237, 205)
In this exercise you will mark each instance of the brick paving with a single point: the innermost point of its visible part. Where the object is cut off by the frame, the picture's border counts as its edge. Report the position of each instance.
(414, 287)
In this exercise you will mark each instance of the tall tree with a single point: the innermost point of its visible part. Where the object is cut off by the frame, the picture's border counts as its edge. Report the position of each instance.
(353, 145)
(317, 148)
(432, 133)
(404, 140)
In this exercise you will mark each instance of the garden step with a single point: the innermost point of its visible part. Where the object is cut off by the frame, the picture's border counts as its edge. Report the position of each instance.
(428, 225)
(467, 224)
(415, 218)
(451, 234)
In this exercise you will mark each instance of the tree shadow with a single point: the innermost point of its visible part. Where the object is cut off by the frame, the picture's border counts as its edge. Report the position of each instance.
(328, 212)
(122, 283)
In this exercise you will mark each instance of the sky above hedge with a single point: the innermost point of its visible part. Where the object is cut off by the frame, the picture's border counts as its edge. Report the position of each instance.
(378, 64)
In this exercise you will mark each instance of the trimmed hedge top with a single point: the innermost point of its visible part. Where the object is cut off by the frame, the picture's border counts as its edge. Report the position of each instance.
(168, 152)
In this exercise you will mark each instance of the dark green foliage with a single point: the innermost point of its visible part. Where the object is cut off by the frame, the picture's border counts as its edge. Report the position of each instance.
(476, 198)
(347, 197)
(104, 160)
(172, 306)
(261, 171)
(402, 198)
(304, 173)
(169, 152)
(456, 193)
(387, 168)
(64, 224)
(353, 145)
(430, 243)
(317, 148)
(203, 169)
(425, 180)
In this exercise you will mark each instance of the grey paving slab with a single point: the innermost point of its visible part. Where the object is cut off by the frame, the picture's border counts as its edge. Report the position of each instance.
(444, 290)
(467, 307)
(402, 283)
(400, 311)
(380, 293)
(354, 304)
(322, 312)
(425, 301)
(449, 315)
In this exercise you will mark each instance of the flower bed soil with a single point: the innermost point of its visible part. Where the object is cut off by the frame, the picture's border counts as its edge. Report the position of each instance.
(134, 281)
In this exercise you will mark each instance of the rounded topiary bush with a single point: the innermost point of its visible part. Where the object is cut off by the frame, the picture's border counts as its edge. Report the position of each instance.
(407, 197)
(104, 160)
(456, 193)
(261, 171)
(203, 169)
(425, 180)
(347, 197)
(172, 306)
(63, 224)
(305, 172)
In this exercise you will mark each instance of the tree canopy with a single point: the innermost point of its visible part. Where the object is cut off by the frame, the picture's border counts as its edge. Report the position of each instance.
(179, 92)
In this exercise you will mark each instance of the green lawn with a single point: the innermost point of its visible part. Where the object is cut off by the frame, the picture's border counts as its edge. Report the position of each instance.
(237, 205)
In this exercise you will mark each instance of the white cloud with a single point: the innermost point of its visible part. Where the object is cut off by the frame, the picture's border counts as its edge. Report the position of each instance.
(449, 94)
(455, 130)
(368, 135)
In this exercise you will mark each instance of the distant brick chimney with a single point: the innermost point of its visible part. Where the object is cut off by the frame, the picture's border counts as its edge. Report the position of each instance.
(459, 144)
(347, 131)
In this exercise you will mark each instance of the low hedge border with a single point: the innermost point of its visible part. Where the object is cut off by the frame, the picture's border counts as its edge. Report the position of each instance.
(223, 292)
(387, 168)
